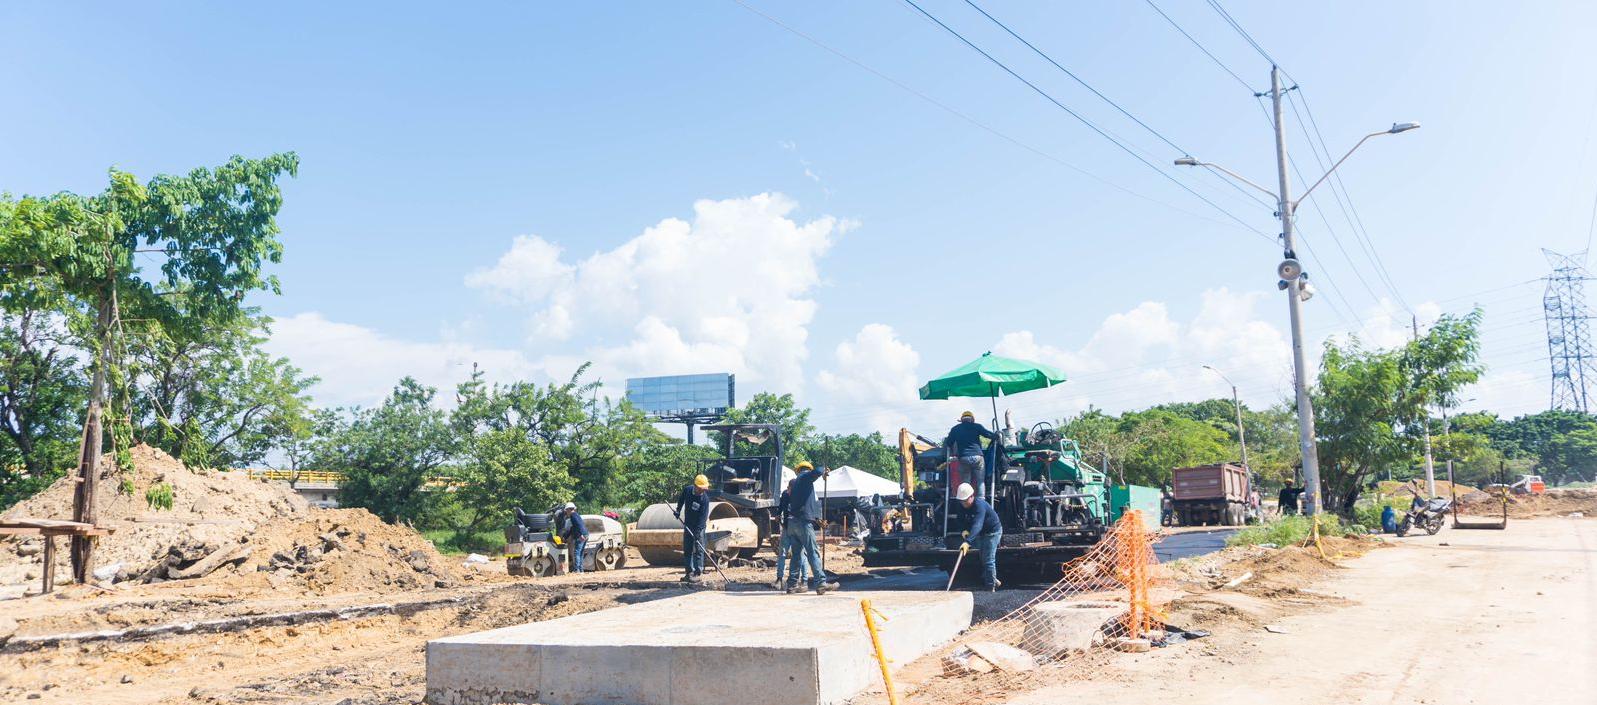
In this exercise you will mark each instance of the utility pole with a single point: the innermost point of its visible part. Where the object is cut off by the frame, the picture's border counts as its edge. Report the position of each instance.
(1430, 464)
(1242, 433)
(1292, 281)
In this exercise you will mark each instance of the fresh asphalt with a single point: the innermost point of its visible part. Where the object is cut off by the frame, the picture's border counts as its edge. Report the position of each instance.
(1172, 547)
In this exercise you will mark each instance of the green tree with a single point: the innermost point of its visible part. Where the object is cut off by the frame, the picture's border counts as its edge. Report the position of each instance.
(659, 471)
(869, 453)
(504, 469)
(780, 410)
(1372, 405)
(42, 391)
(388, 454)
(1161, 441)
(216, 400)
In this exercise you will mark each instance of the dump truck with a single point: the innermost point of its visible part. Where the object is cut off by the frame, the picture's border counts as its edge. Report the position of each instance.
(1053, 504)
(1210, 495)
(743, 495)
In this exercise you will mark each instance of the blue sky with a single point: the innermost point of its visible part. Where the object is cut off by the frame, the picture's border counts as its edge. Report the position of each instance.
(898, 240)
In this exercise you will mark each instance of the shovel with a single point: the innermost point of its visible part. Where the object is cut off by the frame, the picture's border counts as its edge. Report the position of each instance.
(963, 549)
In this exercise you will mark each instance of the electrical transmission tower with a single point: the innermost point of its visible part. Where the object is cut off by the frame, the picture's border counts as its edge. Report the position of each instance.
(1569, 347)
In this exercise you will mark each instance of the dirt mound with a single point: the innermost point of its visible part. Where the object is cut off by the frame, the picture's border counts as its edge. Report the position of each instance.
(215, 508)
(1552, 503)
(345, 550)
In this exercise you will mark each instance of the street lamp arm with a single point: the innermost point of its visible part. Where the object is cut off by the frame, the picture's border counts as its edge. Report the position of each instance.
(1338, 163)
(1188, 161)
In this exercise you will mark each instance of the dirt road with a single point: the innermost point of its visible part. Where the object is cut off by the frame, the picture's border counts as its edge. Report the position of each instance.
(1462, 617)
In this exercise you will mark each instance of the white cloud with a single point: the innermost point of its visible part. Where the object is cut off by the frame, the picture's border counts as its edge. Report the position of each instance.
(1142, 357)
(359, 366)
(729, 291)
(875, 369)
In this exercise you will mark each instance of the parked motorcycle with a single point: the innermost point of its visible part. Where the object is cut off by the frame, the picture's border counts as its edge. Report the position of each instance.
(1428, 515)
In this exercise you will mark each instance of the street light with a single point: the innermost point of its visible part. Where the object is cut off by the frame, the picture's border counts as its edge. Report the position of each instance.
(1292, 279)
(1242, 435)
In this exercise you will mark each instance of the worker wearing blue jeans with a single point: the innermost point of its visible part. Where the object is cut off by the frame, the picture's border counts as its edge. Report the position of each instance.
(985, 529)
(803, 518)
(784, 544)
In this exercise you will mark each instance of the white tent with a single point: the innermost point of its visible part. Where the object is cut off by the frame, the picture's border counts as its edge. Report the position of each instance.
(850, 482)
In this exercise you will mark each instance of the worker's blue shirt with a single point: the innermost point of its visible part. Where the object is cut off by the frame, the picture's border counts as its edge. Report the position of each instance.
(576, 528)
(982, 519)
(965, 437)
(801, 502)
(694, 508)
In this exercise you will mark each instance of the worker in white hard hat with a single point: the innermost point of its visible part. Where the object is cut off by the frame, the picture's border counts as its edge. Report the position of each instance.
(964, 444)
(984, 528)
(574, 532)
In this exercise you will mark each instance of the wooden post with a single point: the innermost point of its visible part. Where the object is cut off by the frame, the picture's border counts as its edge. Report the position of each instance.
(83, 503)
(49, 563)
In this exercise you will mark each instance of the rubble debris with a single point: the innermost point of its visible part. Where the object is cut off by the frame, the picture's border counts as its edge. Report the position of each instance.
(1003, 656)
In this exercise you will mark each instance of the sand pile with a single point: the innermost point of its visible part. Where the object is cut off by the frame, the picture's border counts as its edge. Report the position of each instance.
(214, 508)
(345, 550)
(231, 532)
(1553, 503)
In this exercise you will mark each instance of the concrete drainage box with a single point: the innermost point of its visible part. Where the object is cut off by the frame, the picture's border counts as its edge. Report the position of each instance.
(711, 648)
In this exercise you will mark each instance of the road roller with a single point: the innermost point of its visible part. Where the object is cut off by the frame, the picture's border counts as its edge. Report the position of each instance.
(743, 494)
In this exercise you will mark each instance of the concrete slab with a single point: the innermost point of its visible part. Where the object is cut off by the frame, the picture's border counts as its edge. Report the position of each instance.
(710, 648)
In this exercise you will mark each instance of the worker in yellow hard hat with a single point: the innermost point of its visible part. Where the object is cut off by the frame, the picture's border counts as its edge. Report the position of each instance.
(693, 509)
(803, 519)
(964, 444)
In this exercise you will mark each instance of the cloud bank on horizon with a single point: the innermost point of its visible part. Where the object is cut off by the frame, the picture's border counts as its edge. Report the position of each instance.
(733, 289)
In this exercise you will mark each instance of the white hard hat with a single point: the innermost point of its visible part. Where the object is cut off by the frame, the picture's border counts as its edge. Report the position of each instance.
(964, 492)
(571, 505)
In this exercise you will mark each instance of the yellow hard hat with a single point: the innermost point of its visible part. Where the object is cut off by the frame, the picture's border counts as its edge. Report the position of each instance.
(968, 415)
(701, 482)
(804, 465)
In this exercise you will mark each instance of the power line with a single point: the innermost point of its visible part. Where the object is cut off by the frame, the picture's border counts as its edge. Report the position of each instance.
(1083, 120)
(977, 123)
(1199, 45)
(1123, 111)
(1238, 27)
(1076, 78)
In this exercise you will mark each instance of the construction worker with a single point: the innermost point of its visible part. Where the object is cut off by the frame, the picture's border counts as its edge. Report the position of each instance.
(575, 534)
(985, 529)
(964, 442)
(693, 509)
(1288, 498)
(784, 546)
(803, 518)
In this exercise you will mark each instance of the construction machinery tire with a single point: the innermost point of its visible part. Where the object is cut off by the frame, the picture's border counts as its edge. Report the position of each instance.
(608, 559)
(540, 566)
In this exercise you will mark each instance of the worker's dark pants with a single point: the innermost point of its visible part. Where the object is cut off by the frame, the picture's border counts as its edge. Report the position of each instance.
(970, 469)
(988, 543)
(692, 552)
(577, 547)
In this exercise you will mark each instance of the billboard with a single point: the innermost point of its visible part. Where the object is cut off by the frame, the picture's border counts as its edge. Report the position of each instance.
(683, 395)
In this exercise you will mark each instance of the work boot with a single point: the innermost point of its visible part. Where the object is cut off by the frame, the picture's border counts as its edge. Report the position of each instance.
(824, 587)
(694, 578)
(688, 578)
(794, 590)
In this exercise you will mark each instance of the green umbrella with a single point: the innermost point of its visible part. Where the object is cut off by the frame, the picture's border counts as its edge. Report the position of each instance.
(991, 376)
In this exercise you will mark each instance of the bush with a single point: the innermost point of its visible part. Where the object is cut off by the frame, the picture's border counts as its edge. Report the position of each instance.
(159, 496)
(1368, 513)
(1285, 531)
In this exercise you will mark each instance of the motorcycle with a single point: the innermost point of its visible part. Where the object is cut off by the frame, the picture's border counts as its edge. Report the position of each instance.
(1428, 515)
